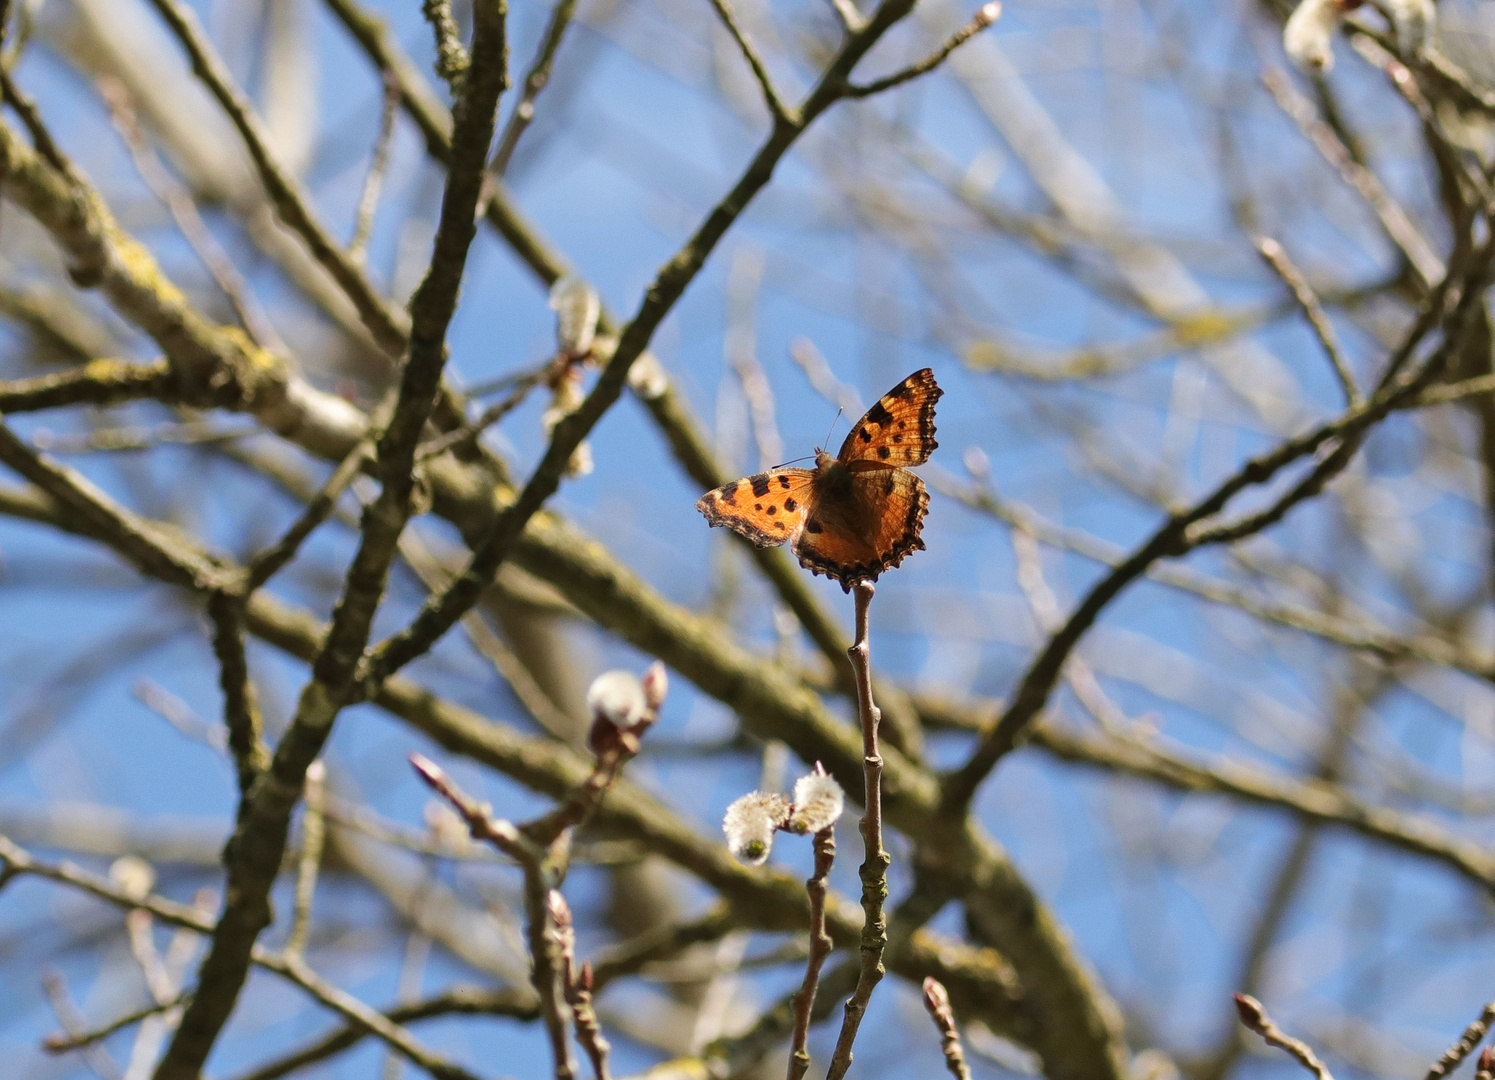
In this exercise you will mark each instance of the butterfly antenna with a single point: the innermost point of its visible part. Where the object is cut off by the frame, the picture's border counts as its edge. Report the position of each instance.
(807, 457)
(833, 425)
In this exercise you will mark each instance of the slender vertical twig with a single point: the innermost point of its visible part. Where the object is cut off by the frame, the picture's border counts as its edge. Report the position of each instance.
(313, 832)
(937, 1001)
(373, 182)
(538, 863)
(452, 60)
(874, 868)
(189, 222)
(578, 987)
(820, 948)
(534, 81)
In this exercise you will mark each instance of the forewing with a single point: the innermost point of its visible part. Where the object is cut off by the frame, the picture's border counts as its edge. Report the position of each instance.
(768, 508)
(856, 539)
(899, 429)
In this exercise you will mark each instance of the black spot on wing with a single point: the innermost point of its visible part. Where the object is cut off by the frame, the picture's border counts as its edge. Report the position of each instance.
(814, 527)
(729, 495)
(878, 415)
(883, 452)
(760, 484)
(784, 483)
(864, 435)
(772, 510)
(790, 505)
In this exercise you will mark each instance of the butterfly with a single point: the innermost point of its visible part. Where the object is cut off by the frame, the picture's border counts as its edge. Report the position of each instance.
(856, 514)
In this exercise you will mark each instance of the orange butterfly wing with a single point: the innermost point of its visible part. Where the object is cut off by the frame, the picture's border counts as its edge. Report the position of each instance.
(857, 514)
(857, 535)
(768, 508)
(898, 430)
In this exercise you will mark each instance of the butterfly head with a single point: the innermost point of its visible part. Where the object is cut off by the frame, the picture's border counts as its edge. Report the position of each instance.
(823, 460)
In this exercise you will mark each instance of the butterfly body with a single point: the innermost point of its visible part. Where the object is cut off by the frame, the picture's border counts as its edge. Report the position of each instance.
(858, 512)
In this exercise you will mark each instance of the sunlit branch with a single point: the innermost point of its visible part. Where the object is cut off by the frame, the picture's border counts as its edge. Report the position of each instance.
(988, 14)
(1277, 258)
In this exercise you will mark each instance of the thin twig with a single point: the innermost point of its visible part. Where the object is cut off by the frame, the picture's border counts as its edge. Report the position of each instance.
(96, 1057)
(1457, 391)
(1464, 1046)
(452, 61)
(1398, 226)
(471, 1000)
(62, 1044)
(781, 113)
(874, 868)
(1274, 255)
(1255, 1017)
(536, 861)
(820, 947)
(41, 138)
(459, 439)
(373, 182)
(178, 200)
(578, 985)
(535, 80)
(937, 1001)
(984, 17)
(313, 833)
(241, 713)
(267, 563)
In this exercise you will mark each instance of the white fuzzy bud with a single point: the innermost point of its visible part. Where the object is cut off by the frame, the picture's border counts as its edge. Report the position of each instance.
(581, 461)
(656, 685)
(568, 398)
(818, 801)
(1309, 32)
(132, 876)
(647, 377)
(576, 306)
(617, 697)
(750, 824)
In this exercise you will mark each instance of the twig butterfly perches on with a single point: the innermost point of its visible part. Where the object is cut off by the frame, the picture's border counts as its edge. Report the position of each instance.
(856, 514)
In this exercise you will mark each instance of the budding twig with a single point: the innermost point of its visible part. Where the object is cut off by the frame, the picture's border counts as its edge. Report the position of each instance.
(1255, 1017)
(937, 1001)
(1472, 1036)
(874, 868)
(623, 708)
(578, 986)
(820, 948)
